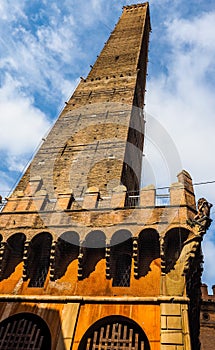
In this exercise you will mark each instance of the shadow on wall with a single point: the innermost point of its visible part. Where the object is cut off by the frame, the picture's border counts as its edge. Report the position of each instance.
(149, 247)
(12, 253)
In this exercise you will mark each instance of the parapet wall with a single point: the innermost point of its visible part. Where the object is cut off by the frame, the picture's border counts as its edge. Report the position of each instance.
(36, 197)
(205, 295)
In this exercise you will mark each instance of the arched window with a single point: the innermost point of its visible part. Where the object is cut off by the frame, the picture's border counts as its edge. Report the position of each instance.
(121, 254)
(174, 240)
(39, 259)
(149, 250)
(123, 271)
(66, 251)
(94, 251)
(115, 333)
(24, 331)
(13, 254)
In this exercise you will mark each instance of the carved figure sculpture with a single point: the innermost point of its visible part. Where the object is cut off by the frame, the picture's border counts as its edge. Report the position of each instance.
(203, 209)
(202, 219)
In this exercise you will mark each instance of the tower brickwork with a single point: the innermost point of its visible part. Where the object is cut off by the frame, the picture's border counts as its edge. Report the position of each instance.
(102, 118)
(88, 260)
(207, 318)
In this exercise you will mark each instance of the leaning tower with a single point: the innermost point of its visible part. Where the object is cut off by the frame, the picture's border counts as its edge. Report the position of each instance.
(88, 260)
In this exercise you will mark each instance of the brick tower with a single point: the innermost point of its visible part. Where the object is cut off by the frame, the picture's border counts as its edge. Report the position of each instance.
(87, 259)
(207, 319)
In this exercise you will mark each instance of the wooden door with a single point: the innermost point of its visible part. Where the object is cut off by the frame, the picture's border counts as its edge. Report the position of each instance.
(116, 336)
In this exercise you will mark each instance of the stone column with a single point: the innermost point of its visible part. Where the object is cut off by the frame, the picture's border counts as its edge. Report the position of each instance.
(69, 319)
(174, 327)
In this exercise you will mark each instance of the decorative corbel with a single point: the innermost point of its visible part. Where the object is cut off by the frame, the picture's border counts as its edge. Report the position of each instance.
(81, 258)
(26, 253)
(162, 255)
(108, 260)
(136, 257)
(53, 254)
(2, 251)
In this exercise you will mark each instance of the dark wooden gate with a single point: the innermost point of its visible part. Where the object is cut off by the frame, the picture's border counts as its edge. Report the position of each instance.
(116, 336)
(22, 333)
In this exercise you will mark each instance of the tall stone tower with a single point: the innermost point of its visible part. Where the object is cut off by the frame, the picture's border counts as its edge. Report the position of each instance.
(87, 259)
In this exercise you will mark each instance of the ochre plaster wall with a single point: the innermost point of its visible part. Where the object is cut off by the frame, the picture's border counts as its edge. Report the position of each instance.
(147, 317)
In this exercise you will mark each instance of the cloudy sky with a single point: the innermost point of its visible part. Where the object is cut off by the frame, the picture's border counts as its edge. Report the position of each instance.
(45, 46)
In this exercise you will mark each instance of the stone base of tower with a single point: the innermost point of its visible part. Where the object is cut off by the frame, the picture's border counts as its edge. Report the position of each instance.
(78, 323)
(124, 277)
(175, 326)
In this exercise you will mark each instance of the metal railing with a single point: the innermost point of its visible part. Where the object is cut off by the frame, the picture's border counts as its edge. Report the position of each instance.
(162, 200)
(132, 200)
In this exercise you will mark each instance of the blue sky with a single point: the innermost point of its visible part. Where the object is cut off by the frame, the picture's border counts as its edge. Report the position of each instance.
(46, 46)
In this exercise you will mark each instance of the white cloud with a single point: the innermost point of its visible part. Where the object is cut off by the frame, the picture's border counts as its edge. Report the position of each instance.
(22, 125)
(10, 10)
(182, 98)
(5, 183)
(195, 32)
(60, 39)
(208, 246)
(38, 55)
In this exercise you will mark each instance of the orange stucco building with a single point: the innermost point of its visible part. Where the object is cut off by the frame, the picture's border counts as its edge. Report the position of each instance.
(87, 259)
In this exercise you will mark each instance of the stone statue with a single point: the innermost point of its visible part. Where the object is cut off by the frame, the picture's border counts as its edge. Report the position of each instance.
(203, 209)
(202, 219)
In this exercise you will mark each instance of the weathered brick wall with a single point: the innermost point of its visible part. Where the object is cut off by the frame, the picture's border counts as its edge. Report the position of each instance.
(207, 319)
(92, 139)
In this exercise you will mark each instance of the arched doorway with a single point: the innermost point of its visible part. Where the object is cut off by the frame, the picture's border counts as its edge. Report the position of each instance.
(24, 331)
(114, 333)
